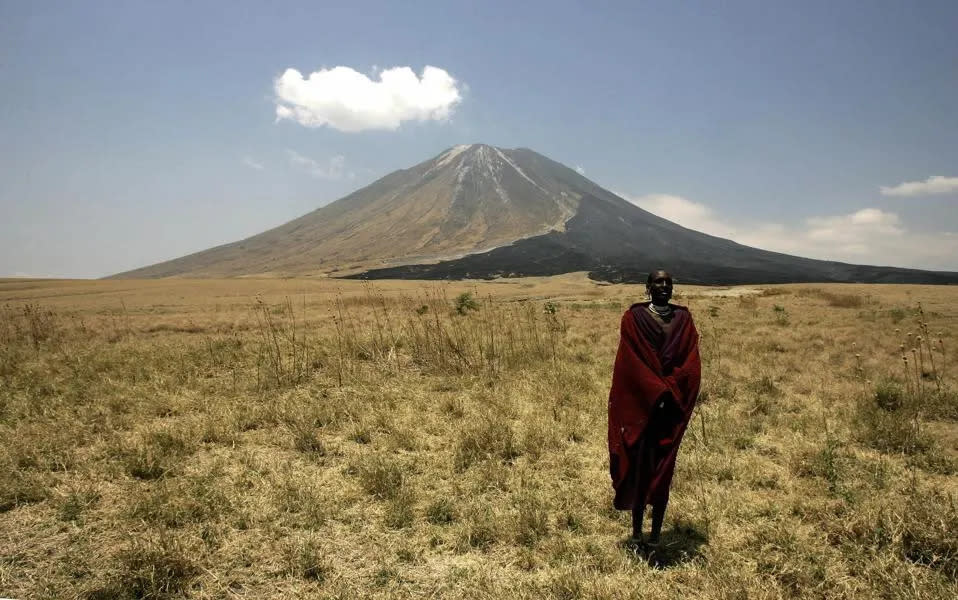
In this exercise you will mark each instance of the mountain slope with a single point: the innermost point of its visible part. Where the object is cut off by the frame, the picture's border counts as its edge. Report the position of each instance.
(467, 199)
(479, 211)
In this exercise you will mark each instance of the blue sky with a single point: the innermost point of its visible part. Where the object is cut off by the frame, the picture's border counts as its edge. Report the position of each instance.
(137, 132)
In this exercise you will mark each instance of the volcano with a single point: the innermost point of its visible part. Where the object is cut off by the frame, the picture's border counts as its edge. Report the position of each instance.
(477, 211)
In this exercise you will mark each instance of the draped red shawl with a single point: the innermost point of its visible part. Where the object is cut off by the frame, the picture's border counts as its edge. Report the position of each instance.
(654, 387)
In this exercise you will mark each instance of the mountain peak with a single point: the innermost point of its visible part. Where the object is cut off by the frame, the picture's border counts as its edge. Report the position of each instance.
(477, 210)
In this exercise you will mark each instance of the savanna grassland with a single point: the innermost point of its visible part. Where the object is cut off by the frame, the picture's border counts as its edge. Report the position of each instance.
(316, 438)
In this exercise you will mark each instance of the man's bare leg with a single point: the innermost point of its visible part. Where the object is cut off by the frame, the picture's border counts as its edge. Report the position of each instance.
(658, 517)
(638, 513)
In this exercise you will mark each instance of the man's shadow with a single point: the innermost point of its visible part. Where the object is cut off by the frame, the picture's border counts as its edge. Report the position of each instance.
(678, 545)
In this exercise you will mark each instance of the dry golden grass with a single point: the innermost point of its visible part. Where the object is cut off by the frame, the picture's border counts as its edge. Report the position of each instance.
(290, 438)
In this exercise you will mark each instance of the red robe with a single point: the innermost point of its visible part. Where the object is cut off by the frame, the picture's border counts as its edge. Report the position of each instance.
(654, 387)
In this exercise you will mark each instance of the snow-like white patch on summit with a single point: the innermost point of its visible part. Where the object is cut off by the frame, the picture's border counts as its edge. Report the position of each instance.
(450, 154)
(447, 157)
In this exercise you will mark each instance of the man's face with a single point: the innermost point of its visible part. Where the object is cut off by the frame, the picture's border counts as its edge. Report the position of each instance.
(660, 289)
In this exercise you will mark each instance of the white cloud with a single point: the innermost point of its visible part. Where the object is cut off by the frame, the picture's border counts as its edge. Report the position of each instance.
(579, 170)
(252, 164)
(936, 184)
(348, 100)
(867, 236)
(333, 168)
(684, 212)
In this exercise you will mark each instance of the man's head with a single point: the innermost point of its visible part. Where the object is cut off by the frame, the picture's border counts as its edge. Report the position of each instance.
(659, 287)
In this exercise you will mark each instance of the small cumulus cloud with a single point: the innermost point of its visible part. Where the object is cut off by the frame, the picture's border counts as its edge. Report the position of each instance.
(867, 236)
(252, 164)
(350, 101)
(579, 170)
(332, 168)
(936, 184)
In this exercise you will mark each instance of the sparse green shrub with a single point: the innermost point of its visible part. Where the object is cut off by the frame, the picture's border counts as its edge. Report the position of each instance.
(889, 395)
(465, 302)
(781, 315)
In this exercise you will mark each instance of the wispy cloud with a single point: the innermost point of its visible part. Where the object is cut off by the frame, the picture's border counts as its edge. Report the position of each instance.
(332, 168)
(579, 170)
(252, 164)
(936, 184)
(867, 236)
(350, 101)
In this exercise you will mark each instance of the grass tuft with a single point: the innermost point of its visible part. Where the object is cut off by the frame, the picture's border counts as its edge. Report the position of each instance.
(381, 476)
(930, 533)
(492, 437)
(307, 559)
(157, 568)
(441, 511)
(156, 453)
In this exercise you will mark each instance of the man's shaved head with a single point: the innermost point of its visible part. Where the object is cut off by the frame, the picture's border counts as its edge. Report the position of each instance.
(657, 273)
(659, 286)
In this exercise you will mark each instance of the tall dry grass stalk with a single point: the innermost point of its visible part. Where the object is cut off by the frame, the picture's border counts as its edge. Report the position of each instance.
(284, 356)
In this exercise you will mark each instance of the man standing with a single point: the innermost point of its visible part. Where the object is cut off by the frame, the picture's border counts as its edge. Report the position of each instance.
(655, 384)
